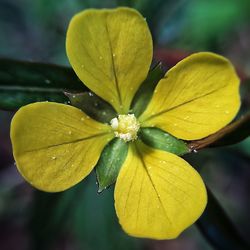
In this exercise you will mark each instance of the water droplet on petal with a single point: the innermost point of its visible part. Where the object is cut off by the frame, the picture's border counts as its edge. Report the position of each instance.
(82, 119)
(70, 132)
(53, 157)
(114, 55)
(91, 94)
(226, 112)
(47, 81)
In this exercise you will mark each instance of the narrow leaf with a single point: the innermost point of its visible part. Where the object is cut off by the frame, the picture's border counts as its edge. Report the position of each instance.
(110, 162)
(231, 134)
(217, 227)
(157, 138)
(22, 83)
(145, 92)
(93, 106)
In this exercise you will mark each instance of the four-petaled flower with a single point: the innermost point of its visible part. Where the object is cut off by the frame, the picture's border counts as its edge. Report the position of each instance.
(157, 193)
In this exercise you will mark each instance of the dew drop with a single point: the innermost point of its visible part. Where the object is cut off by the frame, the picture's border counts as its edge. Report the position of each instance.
(149, 167)
(82, 119)
(53, 157)
(226, 112)
(156, 91)
(47, 81)
(70, 132)
(114, 55)
(91, 94)
(195, 151)
(175, 124)
(74, 96)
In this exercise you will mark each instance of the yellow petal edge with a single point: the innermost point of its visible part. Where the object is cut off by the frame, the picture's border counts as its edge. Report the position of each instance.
(157, 194)
(55, 146)
(111, 52)
(196, 98)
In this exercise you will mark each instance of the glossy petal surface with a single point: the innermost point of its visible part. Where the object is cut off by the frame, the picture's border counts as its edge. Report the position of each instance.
(111, 52)
(55, 146)
(157, 194)
(196, 98)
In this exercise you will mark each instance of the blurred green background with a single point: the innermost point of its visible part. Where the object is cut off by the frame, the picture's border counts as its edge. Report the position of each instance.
(81, 219)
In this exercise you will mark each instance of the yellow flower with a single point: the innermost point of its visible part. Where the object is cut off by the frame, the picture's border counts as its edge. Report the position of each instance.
(157, 193)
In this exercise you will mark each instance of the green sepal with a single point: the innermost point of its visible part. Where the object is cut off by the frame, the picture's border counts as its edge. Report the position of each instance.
(22, 83)
(92, 105)
(157, 138)
(146, 90)
(110, 162)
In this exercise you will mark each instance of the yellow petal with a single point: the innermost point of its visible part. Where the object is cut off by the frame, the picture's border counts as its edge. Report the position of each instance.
(196, 98)
(157, 194)
(111, 52)
(55, 146)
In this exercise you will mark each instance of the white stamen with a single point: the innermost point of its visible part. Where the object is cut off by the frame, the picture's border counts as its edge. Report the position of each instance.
(125, 127)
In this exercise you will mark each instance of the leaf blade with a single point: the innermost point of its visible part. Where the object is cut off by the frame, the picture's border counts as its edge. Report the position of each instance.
(23, 82)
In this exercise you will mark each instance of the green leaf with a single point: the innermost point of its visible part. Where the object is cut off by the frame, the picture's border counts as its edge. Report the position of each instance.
(157, 138)
(49, 216)
(217, 227)
(229, 135)
(145, 92)
(110, 162)
(93, 106)
(22, 83)
(94, 217)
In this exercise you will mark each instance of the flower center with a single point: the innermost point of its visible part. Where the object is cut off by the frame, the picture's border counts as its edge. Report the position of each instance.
(125, 127)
